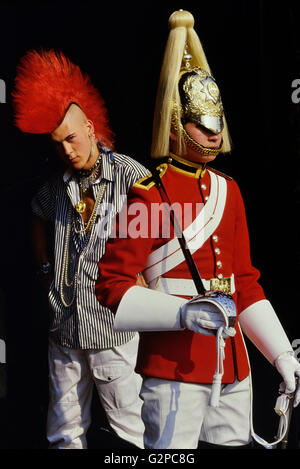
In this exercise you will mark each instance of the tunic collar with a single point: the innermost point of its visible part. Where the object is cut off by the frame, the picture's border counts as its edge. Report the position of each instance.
(185, 166)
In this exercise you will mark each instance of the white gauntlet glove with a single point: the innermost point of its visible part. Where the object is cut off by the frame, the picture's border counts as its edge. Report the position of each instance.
(289, 368)
(204, 318)
(142, 309)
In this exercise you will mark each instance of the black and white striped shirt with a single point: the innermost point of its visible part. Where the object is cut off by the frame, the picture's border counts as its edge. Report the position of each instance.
(85, 324)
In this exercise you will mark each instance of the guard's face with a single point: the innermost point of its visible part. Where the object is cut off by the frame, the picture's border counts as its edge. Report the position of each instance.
(73, 139)
(204, 137)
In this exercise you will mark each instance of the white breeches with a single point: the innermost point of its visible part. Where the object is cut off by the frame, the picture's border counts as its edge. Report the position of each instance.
(178, 415)
(72, 374)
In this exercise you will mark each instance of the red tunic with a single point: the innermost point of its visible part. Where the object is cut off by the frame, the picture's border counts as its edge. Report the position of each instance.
(183, 355)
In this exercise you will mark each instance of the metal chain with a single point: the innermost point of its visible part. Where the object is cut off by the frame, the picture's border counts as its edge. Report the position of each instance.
(64, 279)
(98, 200)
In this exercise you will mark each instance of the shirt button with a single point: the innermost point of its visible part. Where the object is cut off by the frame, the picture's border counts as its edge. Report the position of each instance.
(203, 186)
(215, 238)
(219, 264)
(206, 197)
(220, 276)
(217, 251)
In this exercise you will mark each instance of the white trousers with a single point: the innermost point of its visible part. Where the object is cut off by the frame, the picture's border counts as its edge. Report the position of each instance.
(72, 375)
(177, 415)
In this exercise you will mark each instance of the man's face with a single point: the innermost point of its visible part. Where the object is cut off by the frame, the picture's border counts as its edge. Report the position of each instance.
(206, 138)
(73, 139)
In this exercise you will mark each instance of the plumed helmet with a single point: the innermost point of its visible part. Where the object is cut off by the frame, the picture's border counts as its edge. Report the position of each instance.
(187, 91)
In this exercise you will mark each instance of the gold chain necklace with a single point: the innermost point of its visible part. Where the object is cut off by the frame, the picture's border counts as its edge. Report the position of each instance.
(86, 179)
(64, 280)
(93, 216)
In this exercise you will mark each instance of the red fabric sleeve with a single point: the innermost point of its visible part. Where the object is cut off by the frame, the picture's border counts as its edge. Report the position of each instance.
(128, 250)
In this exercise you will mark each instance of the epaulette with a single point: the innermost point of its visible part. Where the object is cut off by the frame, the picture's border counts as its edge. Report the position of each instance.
(148, 181)
(145, 182)
(219, 173)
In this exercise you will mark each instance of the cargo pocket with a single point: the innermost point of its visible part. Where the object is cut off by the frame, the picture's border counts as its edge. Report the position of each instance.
(116, 385)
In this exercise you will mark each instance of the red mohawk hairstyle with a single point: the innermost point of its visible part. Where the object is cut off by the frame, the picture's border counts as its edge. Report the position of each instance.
(46, 84)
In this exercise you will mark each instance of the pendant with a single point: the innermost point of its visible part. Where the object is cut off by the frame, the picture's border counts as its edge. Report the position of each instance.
(81, 206)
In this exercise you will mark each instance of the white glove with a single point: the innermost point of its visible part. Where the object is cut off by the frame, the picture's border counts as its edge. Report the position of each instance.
(289, 368)
(204, 318)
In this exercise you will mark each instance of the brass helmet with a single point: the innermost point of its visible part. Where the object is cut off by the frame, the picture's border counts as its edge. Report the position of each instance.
(187, 91)
(201, 100)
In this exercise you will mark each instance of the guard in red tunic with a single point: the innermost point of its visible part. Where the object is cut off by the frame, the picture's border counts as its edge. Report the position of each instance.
(192, 355)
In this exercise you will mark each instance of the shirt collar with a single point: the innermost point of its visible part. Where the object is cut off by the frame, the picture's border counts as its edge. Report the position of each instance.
(107, 164)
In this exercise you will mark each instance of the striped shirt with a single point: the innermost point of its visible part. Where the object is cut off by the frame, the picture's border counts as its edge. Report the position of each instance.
(86, 324)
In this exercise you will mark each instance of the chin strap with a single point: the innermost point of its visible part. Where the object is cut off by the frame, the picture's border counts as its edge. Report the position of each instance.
(190, 142)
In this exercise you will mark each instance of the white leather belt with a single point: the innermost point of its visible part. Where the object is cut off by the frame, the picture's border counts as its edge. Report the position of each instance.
(186, 287)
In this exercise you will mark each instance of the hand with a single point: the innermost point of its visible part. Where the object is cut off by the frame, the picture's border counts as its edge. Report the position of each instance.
(204, 318)
(289, 368)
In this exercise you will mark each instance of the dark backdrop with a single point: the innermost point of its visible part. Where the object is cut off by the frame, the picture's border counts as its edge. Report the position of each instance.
(253, 49)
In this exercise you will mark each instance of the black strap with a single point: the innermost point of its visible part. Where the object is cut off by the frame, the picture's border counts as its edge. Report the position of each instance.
(178, 231)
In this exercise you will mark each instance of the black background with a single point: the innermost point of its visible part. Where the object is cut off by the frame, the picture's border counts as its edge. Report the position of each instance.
(253, 49)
